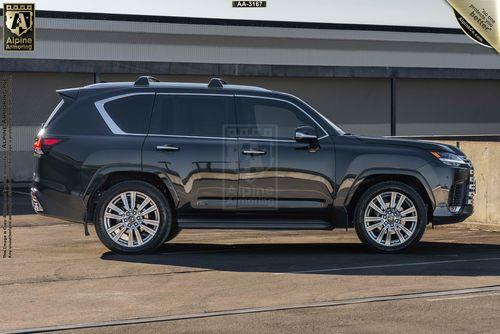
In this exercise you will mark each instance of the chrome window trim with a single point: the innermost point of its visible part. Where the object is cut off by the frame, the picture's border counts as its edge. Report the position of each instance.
(325, 133)
(115, 129)
(278, 140)
(191, 137)
(223, 138)
(108, 120)
(53, 113)
(200, 94)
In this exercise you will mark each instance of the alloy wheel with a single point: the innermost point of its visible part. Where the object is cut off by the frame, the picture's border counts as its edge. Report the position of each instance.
(390, 219)
(131, 219)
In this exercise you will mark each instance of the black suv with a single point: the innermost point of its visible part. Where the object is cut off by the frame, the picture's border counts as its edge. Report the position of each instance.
(144, 160)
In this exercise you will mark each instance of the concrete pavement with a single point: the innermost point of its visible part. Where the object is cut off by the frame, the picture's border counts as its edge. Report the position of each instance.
(470, 314)
(60, 277)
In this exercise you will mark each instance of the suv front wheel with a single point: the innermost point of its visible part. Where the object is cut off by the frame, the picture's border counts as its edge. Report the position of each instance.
(133, 218)
(390, 217)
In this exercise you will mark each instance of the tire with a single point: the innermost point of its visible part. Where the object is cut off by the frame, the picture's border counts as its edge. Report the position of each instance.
(115, 222)
(395, 222)
(174, 232)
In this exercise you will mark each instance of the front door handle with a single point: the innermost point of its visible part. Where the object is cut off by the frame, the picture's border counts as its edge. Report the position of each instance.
(254, 152)
(167, 147)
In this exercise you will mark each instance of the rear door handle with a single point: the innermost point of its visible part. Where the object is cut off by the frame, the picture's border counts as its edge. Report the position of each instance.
(167, 148)
(254, 152)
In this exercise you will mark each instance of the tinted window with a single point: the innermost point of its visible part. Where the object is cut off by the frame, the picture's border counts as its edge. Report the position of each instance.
(193, 115)
(59, 108)
(77, 118)
(271, 119)
(130, 113)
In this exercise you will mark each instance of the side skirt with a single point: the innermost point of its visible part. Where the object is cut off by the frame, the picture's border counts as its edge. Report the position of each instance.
(189, 223)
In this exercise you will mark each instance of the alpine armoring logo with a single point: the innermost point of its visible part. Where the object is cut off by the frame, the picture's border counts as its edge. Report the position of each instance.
(19, 27)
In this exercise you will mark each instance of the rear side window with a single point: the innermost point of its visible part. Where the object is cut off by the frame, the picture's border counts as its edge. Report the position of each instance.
(130, 113)
(76, 118)
(193, 115)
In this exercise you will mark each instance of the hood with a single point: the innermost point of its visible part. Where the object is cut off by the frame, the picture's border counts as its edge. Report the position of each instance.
(425, 145)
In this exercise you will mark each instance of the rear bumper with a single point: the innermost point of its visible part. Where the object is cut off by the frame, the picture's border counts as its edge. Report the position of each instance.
(35, 202)
(49, 202)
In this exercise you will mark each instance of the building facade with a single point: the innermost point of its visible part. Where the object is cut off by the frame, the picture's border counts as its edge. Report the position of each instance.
(372, 80)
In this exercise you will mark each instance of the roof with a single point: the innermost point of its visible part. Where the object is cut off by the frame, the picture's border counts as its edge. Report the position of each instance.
(174, 85)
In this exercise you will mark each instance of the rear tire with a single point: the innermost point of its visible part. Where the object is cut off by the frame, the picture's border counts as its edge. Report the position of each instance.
(390, 217)
(133, 217)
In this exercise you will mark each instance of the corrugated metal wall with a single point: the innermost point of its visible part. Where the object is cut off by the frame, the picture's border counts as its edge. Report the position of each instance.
(354, 94)
(359, 105)
(226, 44)
(33, 99)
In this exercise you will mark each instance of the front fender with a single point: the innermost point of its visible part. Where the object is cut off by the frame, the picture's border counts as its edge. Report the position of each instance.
(386, 171)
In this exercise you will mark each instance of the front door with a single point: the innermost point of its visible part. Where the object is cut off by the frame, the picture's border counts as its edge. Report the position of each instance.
(279, 176)
(188, 143)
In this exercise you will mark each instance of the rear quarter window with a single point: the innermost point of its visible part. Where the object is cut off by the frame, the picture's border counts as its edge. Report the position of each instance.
(59, 107)
(77, 118)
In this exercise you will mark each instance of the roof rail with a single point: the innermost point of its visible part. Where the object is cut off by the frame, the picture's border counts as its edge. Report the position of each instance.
(216, 83)
(145, 80)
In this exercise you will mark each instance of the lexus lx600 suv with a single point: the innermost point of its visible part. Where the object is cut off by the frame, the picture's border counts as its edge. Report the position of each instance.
(143, 160)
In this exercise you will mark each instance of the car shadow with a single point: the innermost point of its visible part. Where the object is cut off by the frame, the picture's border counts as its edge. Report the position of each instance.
(427, 259)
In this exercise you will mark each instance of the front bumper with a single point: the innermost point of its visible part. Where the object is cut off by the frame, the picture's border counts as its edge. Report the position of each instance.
(460, 203)
(442, 217)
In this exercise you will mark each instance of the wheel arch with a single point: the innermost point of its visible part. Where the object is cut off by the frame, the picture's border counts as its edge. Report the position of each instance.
(370, 178)
(104, 180)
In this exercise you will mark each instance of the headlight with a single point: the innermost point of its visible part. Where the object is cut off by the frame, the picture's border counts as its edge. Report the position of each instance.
(449, 159)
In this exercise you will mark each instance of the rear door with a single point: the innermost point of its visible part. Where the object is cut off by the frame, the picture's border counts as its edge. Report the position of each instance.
(191, 144)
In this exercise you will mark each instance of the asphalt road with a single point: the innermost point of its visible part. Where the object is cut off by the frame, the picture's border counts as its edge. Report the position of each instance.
(212, 281)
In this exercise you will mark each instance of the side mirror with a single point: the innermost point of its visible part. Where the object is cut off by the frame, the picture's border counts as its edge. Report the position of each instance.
(306, 134)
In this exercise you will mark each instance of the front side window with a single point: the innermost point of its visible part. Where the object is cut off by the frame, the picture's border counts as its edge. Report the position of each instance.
(270, 119)
(192, 115)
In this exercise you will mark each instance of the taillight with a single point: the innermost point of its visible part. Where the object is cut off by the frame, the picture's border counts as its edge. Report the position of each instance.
(41, 143)
(37, 146)
(48, 142)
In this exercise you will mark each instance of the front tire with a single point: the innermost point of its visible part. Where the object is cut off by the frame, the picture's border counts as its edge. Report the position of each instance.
(390, 217)
(133, 217)
(174, 232)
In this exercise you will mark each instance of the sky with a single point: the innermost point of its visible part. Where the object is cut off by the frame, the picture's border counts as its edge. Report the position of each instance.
(426, 13)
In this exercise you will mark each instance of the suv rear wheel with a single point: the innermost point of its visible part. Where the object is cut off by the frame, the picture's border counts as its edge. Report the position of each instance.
(133, 218)
(390, 217)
